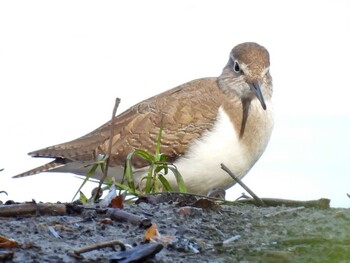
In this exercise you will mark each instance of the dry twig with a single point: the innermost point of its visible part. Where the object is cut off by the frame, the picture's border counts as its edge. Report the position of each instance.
(32, 209)
(322, 203)
(286, 211)
(77, 253)
(256, 198)
(109, 151)
(120, 215)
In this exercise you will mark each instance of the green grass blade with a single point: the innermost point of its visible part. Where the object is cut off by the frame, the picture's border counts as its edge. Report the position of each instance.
(82, 197)
(157, 153)
(145, 155)
(160, 167)
(163, 158)
(179, 179)
(165, 183)
(128, 174)
(149, 181)
(87, 177)
(124, 187)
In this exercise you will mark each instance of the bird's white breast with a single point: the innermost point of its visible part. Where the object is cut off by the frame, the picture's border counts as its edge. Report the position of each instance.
(200, 166)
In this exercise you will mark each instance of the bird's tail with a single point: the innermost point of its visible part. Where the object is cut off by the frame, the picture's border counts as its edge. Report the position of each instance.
(57, 163)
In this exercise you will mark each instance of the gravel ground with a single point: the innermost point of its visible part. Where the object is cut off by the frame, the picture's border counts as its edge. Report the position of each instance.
(222, 233)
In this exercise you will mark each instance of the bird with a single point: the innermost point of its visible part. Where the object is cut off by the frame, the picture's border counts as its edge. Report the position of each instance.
(205, 122)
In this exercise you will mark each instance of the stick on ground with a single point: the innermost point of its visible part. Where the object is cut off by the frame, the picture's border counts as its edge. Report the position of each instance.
(256, 198)
(77, 252)
(116, 105)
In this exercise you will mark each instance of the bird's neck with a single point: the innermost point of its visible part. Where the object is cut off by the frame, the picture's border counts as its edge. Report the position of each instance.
(252, 123)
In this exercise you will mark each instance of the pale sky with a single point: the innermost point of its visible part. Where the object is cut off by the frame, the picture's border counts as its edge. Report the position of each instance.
(63, 63)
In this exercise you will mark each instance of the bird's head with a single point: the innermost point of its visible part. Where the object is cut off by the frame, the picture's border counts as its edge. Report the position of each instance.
(247, 73)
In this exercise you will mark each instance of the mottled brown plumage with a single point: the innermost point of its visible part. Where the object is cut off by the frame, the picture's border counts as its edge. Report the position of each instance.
(139, 126)
(187, 114)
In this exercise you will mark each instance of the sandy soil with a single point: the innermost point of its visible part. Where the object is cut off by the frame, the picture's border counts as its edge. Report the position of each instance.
(215, 233)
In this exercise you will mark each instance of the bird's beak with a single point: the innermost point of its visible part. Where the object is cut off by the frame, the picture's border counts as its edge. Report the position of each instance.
(255, 87)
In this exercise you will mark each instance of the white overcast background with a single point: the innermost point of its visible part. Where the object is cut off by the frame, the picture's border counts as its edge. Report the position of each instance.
(63, 63)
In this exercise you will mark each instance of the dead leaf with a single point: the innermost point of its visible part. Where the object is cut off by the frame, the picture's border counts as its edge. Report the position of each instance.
(151, 233)
(7, 243)
(207, 204)
(118, 202)
(106, 221)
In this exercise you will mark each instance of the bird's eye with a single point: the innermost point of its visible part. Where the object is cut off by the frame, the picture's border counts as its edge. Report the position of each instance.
(236, 67)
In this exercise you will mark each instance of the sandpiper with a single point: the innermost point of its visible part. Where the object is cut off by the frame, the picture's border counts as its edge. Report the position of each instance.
(208, 121)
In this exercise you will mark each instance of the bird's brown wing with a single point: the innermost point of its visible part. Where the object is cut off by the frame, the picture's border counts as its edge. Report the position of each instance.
(184, 112)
